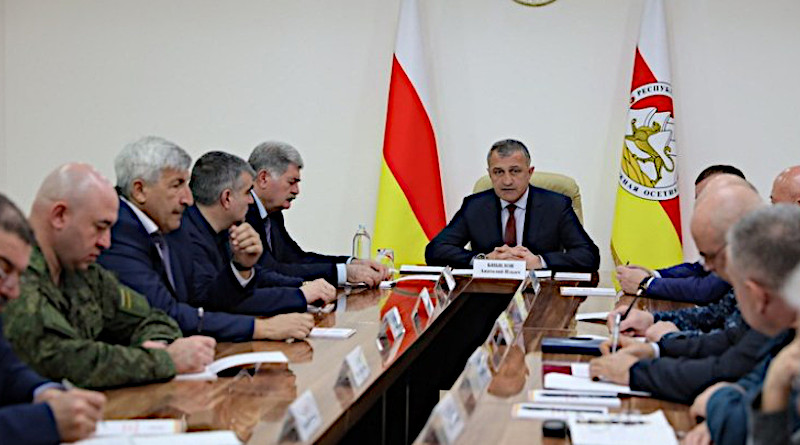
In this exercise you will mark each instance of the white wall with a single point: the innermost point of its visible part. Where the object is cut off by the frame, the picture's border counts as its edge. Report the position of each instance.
(85, 76)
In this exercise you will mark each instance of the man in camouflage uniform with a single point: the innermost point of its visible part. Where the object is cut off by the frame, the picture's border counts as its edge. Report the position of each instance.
(74, 320)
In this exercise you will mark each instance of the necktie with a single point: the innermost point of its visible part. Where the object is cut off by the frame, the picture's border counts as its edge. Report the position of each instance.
(163, 252)
(267, 227)
(510, 236)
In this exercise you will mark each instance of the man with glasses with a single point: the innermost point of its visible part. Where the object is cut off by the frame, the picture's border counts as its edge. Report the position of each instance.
(34, 410)
(515, 221)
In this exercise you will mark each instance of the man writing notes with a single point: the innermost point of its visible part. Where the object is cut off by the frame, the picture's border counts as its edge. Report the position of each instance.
(515, 221)
(73, 319)
(277, 184)
(34, 410)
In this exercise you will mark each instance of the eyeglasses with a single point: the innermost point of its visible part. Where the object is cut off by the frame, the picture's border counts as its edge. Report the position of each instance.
(710, 257)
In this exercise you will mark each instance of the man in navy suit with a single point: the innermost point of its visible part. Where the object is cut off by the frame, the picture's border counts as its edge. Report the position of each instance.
(34, 410)
(515, 221)
(152, 179)
(277, 184)
(221, 185)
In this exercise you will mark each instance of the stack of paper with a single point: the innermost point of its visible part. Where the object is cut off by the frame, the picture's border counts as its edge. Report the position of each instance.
(565, 382)
(115, 432)
(588, 291)
(621, 429)
(552, 411)
(222, 364)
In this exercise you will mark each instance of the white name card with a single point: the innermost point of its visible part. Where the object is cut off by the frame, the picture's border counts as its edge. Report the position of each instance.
(448, 279)
(451, 422)
(395, 323)
(426, 301)
(499, 269)
(357, 364)
(304, 412)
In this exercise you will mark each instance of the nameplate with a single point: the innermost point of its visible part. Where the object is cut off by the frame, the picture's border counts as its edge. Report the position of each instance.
(356, 364)
(305, 416)
(448, 279)
(395, 323)
(427, 304)
(477, 370)
(499, 269)
(450, 422)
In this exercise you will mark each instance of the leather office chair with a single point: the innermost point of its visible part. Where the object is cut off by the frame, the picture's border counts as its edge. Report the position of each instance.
(555, 182)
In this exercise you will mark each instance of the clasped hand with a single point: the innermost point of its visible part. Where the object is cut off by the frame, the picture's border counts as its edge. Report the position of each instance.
(517, 253)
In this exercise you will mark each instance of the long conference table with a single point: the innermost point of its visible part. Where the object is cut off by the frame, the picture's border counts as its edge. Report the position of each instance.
(405, 375)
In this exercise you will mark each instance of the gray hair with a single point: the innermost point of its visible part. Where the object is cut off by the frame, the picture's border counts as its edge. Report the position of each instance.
(214, 172)
(508, 147)
(145, 159)
(765, 244)
(13, 221)
(274, 157)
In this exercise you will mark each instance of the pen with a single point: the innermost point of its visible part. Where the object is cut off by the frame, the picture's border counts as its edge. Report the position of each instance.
(615, 334)
(571, 409)
(611, 422)
(200, 313)
(590, 396)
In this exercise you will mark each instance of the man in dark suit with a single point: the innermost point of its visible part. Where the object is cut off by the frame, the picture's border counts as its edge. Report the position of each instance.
(221, 185)
(152, 179)
(34, 410)
(277, 184)
(680, 368)
(515, 221)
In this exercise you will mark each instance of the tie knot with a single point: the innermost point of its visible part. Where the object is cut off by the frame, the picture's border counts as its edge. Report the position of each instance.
(158, 238)
(511, 208)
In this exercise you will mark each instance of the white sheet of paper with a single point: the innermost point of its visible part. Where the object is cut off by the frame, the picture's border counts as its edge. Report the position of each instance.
(575, 398)
(607, 430)
(426, 277)
(412, 268)
(222, 437)
(572, 276)
(235, 360)
(335, 333)
(586, 316)
(588, 292)
(543, 273)
(140, 427)
(580, 370)
(565, 382)
(534, 410)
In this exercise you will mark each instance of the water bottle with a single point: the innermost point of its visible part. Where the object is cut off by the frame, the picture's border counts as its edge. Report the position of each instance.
(362, 244)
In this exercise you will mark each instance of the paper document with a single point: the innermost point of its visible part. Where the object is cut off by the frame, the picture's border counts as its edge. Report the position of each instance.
(531, 410)
(609, 400)
(201, 438)
(222, 364)
(412, 268)
(543, 273)
(588, 292)
(621, 429)
(573, 276)
(389, 284)
(142, 427)
(592, 316)
(331, 332)
(571, 383)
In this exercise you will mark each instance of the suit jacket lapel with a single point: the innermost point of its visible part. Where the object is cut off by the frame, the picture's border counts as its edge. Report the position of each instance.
(494, 221)
(534, 218)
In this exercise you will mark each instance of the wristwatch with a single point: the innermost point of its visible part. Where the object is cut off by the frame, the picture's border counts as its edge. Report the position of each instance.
(644, 284)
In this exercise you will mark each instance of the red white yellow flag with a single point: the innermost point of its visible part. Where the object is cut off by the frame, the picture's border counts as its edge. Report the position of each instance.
(647, 219)
(410, 204)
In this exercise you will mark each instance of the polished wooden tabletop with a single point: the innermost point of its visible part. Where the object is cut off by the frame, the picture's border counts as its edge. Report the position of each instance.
(552, 315)
(254, 403)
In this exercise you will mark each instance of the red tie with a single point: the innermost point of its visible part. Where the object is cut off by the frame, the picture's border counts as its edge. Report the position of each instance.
(510, 237)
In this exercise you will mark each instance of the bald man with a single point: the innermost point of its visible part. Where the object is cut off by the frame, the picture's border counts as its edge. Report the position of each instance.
(786, 187)
(73, 319)
(680, 368)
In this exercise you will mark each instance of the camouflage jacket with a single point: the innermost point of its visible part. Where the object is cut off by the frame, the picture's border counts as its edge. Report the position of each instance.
(88, 329)
(697, 320)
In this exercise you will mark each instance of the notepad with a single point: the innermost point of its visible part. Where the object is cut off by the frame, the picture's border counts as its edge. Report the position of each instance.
(232, 361)
(621, 429)
(571, 383)
(588, 292)
(335, 333)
